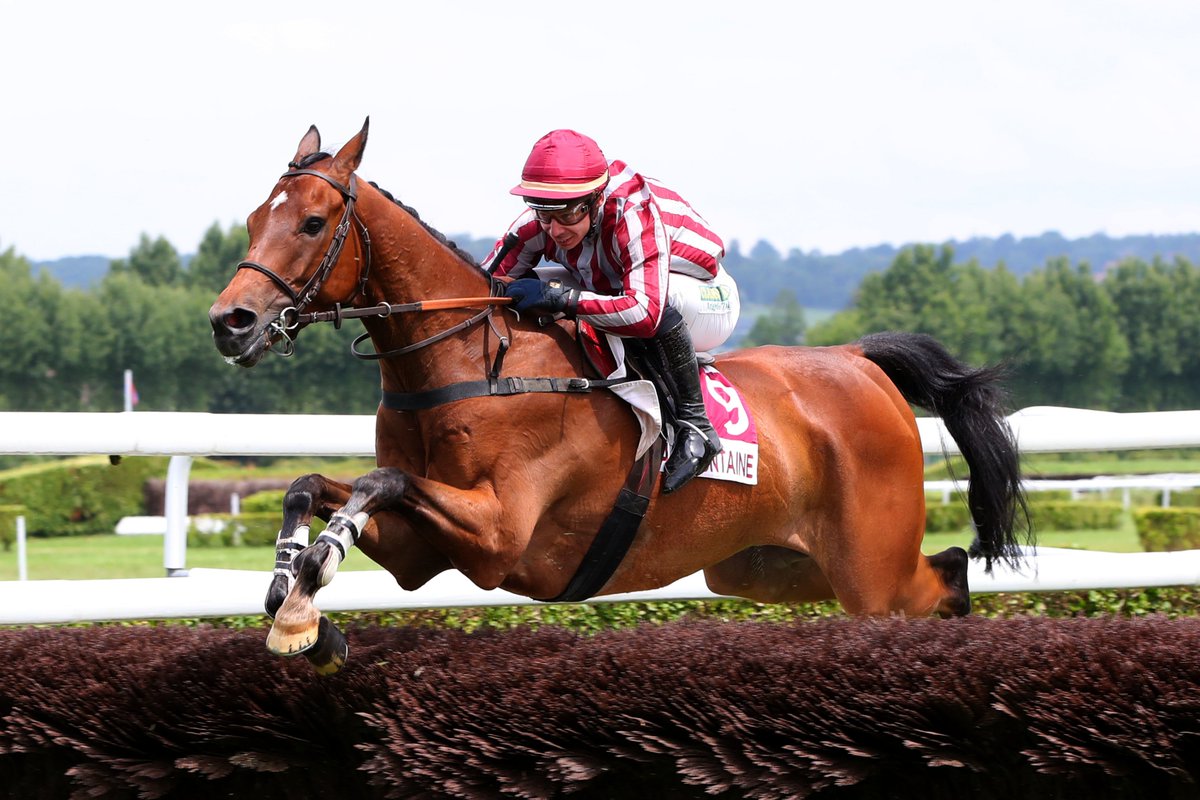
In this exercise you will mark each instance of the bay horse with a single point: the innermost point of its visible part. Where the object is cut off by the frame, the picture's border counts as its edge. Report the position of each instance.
(511, 489)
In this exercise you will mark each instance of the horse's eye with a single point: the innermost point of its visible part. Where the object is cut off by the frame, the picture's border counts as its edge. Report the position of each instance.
(313, 225)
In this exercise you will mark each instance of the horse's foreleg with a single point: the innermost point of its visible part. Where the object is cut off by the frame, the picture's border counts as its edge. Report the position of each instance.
(308, 496)
(299, 626)
(458, 527)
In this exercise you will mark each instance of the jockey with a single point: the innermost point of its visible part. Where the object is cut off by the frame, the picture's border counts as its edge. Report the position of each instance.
(640, 263)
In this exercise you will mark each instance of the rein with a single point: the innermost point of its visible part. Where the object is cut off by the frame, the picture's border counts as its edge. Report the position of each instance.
(384, 310)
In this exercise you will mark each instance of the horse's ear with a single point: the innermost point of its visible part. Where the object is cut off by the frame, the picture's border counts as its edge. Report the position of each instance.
(311, 143)
(350, 156)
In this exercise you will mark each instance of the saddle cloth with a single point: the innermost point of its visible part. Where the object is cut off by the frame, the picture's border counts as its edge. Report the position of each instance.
(729, 415)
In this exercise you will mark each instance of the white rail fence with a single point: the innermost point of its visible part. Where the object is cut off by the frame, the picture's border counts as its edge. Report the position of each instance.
(227, 592)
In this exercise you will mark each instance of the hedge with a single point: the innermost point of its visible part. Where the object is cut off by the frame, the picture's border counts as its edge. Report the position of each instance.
(8, 525)
(253, 529)
(947, 518)
(1181, 497)
(1045, 515)
(270, 500)
(80, 495)
(1161, 529)
(1075, 515)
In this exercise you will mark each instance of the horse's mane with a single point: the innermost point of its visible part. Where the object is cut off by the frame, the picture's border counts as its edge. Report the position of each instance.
(313, 158)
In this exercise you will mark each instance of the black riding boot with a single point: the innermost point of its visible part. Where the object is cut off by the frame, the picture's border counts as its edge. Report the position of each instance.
(696, 442)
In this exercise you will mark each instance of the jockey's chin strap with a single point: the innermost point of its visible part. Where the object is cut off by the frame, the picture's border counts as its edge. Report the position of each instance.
(291, 319)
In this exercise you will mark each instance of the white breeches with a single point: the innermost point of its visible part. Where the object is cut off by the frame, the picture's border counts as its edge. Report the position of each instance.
(709, 308)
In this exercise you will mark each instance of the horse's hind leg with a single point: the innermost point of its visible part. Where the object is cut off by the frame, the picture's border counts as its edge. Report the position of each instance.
(767, 574)
(951, 566)
(770, 574)
(914, 585)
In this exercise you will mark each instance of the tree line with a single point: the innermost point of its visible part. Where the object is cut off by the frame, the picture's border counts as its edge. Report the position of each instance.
(68, 347)
(1121, 340)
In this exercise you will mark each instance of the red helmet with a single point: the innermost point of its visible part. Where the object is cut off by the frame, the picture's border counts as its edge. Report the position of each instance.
(562, 166)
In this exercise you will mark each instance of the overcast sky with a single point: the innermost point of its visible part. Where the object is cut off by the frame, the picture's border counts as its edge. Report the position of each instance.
(817, 125)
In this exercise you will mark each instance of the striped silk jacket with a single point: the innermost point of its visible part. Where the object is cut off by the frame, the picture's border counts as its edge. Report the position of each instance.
(643, 232)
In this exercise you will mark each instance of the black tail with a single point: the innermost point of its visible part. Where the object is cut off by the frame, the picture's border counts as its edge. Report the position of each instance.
(970, 403)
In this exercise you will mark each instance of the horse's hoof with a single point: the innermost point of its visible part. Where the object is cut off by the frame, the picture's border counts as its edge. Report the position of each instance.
(276, 594)
(294, 638)
(331, 650)
(951, 565)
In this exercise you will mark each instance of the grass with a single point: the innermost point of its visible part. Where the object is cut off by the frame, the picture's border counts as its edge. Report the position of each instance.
(112, 556)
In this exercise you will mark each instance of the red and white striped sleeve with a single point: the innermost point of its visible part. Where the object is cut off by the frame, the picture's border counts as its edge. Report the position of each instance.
(638, 251)
(527, 253)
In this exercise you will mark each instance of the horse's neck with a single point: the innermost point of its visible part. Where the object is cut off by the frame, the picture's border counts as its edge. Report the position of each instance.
(409, 264)
(408, 261)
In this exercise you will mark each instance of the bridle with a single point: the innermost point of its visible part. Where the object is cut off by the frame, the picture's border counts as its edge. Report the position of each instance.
(289, 319)
(292, 318)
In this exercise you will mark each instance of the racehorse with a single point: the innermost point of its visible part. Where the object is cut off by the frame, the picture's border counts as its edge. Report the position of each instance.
(510, 488)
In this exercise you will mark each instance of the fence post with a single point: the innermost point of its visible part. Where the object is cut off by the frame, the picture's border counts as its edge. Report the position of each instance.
(175, 540)
(22, 566)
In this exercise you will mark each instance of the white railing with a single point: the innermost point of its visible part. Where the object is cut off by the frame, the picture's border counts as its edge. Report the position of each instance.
(156, 433)
(1165, 483)
(219, 593)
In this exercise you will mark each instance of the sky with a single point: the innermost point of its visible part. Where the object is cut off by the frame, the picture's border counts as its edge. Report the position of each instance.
(812, 125)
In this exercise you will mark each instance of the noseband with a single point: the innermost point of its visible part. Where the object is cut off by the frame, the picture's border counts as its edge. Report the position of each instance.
(289, 319)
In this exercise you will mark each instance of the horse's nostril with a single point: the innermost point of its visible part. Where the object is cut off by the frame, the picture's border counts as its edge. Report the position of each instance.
(239, 319)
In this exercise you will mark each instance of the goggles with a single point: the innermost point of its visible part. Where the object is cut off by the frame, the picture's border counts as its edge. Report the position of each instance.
(564, 216)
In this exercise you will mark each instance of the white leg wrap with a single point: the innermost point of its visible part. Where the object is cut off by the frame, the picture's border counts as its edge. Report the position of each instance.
(342, 533)
(286, 550)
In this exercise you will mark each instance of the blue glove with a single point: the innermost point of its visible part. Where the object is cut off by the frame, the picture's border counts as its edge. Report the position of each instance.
(552, 296)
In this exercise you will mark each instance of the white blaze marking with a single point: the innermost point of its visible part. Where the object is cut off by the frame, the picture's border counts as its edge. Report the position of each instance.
(279, 200)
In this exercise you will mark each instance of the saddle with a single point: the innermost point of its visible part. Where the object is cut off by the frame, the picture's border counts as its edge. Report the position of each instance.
(609, 356)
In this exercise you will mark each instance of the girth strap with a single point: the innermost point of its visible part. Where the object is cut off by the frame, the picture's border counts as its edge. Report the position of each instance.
(617, 532)
(619, 528)
(496, 387)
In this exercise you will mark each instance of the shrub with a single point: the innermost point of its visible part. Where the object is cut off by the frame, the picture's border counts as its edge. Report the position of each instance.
(79, 495)
(1075, 515)
(1168, 528)
(8, 525)
(257, 529)
(1050, 496)
(1181, 497)
(946, 518)
(1045, 515)
(264, 502)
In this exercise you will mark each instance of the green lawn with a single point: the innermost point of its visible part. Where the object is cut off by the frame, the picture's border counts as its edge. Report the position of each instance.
(112, 556)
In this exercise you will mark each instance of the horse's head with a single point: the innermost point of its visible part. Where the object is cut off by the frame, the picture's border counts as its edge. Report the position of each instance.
(296, 260)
